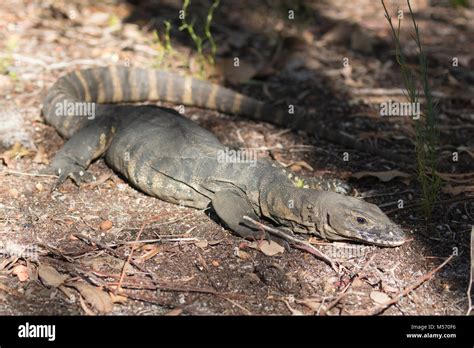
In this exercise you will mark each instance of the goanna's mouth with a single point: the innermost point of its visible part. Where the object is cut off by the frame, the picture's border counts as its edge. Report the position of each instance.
(392, 238)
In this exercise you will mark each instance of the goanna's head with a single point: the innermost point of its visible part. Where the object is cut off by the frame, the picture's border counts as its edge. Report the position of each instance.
(349, 218)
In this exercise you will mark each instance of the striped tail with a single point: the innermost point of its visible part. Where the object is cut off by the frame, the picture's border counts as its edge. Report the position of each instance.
(119, 84)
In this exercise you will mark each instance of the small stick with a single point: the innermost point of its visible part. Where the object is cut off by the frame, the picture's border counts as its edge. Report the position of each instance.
(14, 172)
(109, 250)
(298, 243)
(122, 274)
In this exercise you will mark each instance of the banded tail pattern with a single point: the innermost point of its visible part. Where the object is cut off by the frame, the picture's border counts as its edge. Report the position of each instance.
(119, 84)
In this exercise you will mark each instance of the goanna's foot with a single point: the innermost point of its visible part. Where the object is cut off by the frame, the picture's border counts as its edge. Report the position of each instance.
(66, 169)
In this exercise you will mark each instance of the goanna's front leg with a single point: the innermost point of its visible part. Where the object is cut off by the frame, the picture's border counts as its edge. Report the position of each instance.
(231, 206)
(73, 159)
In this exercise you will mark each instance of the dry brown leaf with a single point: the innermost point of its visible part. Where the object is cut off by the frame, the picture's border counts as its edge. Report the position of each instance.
(314, 305)
(118, 298)
(21, 272)
(41, 156)
(174, 312)
(85, 307)
(68, 292)
(291, 309)
(379, 297)
(383, 175)
(50, 276)
(107, 262)
(95, 296)
(455, 190)
(236, 74)
(460, 178)
(105, 225)
(16, 151)
(241, 254)
(300, 164)
(152, 252)
(203, 244)
(389, 288)
(269, 248)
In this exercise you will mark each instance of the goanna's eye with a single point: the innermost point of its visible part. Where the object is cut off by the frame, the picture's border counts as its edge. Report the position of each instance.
(361, 220)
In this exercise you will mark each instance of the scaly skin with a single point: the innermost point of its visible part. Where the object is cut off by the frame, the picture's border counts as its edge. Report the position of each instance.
(170, 157)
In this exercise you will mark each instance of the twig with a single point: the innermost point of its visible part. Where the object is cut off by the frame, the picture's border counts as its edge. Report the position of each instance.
(134, 245)
(109, 250)
(237, 305)
(149, 241)
(298, 243)
(14, 172)
(408, 289)
(80, 271)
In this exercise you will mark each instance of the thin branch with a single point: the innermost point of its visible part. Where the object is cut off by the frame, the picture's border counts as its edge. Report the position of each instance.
(298, 243)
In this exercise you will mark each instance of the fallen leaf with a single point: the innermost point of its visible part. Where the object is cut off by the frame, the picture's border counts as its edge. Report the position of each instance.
(41, 156)
(382, 176)
(241, 254)
(455, 190)
(215, 242)
(299, 165)
(202, 244)
(292, 310)
(85, 307)
(21, 272)
(16, 151)
(389, 288)
(236, 74)
(460, 178)
(269, 248)
(174, 312)
(68, 292)
(95, 296)
(311, 304)
(118, 298)
(152, 252)
(106, 263)
(379, 297)
(105, 225)
(50, 276)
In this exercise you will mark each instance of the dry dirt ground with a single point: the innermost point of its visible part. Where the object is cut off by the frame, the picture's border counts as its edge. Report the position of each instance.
(64, 252)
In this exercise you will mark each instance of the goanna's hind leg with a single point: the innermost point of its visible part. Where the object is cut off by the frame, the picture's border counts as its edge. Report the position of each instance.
(231, 206)
(87, 144)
